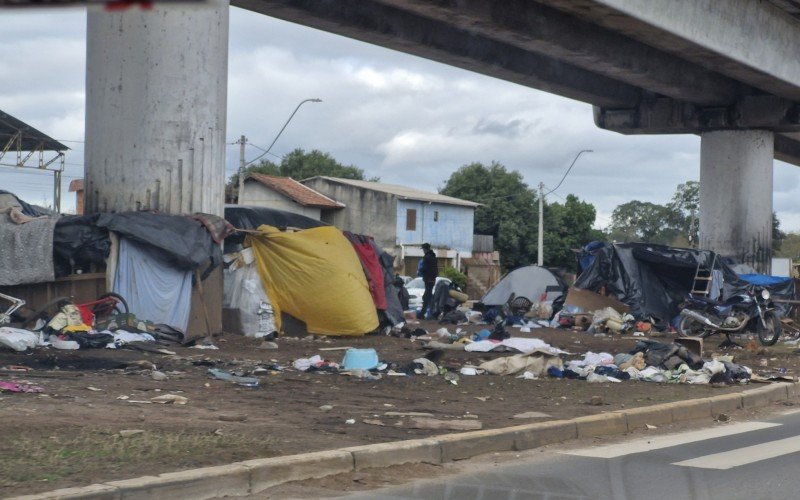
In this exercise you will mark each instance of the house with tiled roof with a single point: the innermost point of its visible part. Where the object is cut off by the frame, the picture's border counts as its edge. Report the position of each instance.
(285, 193)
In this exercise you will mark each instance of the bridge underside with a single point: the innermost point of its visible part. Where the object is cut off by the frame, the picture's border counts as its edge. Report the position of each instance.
(677, 67)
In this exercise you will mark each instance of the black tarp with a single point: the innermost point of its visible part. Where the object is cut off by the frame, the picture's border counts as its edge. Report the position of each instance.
(250, 217)
(185, 242)
(78, 243)
(654, 279)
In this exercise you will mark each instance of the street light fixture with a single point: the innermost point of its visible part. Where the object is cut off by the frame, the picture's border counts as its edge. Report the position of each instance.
(242, 163)
(540, 253)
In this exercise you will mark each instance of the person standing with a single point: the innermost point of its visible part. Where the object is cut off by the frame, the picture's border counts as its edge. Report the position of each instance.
(430, 271)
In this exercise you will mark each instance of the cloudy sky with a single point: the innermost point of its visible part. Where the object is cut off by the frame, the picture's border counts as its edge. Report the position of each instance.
(405, 119)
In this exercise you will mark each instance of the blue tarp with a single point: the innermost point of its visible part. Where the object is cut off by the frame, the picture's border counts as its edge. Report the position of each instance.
(154, 289)
(764, 280)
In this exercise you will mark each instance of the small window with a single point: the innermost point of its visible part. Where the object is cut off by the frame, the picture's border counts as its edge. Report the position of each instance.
(435, 216)
(411, 219)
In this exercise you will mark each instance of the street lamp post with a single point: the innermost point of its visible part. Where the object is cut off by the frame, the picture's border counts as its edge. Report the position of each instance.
(242, 164)
(540, 253)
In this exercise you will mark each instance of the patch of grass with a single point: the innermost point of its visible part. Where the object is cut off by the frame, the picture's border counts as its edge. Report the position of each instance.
(87, 456)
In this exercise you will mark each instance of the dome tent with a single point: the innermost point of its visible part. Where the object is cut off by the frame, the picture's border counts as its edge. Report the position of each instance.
(532, 282)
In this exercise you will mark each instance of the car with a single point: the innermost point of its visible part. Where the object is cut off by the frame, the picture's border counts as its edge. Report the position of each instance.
(416, 288)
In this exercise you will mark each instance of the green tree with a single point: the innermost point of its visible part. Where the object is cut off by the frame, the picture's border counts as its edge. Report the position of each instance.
(685, 205)
(301, 165)
(778, 236)
(509, 210)
(643, 221)
(568, 227)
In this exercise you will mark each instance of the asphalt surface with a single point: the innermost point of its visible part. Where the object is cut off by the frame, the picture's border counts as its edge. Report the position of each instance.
(746, 460)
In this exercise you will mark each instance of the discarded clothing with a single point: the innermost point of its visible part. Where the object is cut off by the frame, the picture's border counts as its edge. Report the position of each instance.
(153, 287)
(537, 363)
(19, 387)
(91, 340)
(217, 227)
(372, 267)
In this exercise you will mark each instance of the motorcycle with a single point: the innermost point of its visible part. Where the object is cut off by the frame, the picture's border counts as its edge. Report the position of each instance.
(751, 311)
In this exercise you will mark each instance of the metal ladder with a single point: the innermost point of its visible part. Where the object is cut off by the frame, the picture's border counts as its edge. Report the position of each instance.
(701, 286)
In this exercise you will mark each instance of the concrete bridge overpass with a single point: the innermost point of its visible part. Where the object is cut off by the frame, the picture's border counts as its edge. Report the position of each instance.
(728, 71)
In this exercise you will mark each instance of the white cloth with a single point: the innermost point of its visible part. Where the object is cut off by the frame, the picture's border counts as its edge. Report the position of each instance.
(17, 339)
(155, 291)
(518, 343)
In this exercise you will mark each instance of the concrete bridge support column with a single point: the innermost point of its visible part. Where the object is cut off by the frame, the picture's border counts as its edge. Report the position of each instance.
(156, 90)
(736, 195)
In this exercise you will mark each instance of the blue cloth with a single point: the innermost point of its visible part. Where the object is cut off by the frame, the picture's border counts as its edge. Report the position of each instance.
(420, 267)
(763, 279)
(154, 289)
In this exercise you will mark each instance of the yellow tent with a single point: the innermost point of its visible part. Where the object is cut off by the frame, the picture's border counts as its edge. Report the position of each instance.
(315, 276)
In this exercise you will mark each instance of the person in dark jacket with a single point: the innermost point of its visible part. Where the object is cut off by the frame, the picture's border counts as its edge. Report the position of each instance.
(430, 270)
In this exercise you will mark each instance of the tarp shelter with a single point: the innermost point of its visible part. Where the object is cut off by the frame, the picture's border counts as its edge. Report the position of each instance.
(654, 279)
(315, 276)
(252, 217)
(532, 282)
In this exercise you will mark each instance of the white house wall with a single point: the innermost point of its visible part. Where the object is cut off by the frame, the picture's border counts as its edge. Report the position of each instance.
(261, 196)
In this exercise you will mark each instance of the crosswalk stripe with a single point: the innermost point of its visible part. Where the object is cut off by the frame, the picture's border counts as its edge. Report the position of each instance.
(668, 440)
(743, 456)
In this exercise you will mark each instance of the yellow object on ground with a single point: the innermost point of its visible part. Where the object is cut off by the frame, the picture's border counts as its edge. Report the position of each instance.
(315, 276)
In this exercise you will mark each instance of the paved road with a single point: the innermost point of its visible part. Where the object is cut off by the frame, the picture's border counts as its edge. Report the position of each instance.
(748, 460)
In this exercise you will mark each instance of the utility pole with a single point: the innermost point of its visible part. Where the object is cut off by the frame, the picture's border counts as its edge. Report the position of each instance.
(540, 253)
(242, 142)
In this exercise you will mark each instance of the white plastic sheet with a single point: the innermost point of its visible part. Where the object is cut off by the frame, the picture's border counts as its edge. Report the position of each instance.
(155, 291)
(245, 291)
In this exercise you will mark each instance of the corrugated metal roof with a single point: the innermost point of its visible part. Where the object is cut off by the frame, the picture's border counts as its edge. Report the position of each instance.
(32, 139)
(402, 192)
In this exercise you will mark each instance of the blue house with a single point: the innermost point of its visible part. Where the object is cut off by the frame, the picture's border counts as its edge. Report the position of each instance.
(401, 219)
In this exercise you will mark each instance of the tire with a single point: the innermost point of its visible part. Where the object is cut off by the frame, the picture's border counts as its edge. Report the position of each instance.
(689, 327)
(770, 334)
(120, 307)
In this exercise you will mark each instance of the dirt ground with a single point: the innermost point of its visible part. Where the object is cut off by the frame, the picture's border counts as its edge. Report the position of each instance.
(69, 435)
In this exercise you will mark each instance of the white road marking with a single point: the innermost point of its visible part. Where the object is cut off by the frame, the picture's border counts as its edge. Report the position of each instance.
(668, 440)
(743, 456)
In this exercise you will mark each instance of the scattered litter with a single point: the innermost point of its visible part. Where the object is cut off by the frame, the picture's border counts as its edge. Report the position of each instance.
(723, 417)
(268, 345)
(130, 432)
(650, 427)
(229, 377)
(531, 414)
(94, 389)
(437, 424)
(123, 397)
(159, 376)
(350, 421)
(374, 422)
(205, 346)
(407, 414)
(19, 387)
(168, 399)
(326, 407)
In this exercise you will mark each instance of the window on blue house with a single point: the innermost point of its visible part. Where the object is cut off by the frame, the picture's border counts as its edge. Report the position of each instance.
(435, 216)
(411, 219)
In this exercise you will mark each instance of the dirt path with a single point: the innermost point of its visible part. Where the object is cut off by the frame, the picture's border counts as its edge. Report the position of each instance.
(69, 435)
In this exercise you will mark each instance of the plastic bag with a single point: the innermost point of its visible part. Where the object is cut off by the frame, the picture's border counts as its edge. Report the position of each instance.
(17, 339)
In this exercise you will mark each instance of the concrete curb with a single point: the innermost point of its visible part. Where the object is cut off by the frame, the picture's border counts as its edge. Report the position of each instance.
(253, 476)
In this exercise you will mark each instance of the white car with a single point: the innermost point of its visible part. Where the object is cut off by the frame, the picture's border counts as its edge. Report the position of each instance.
(416, 288)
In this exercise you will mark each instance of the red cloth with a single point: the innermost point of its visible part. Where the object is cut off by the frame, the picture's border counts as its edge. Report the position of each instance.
(372, 268)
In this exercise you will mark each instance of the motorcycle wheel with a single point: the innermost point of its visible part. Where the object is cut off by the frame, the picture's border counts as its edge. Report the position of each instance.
(689, 327)
(770, 334)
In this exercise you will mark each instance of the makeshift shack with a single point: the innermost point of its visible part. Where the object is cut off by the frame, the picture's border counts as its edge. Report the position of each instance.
(653, 280)
(315, 276)
(537, 284)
